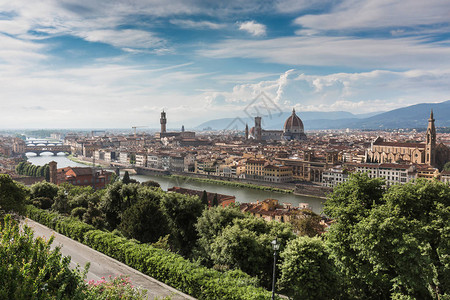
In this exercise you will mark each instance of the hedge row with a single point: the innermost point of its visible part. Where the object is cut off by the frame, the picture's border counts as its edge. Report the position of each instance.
(234, 183)
(168, 267)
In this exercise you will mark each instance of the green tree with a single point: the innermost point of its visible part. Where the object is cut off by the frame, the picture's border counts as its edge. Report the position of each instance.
(209, 225)
(182, 213)
(306, 222)
(33, 171)
(126, 178)
(447, 166)
(20, 166)
(215, 201)
(29, 269)
(43, 202)
(237, 248)
(204, 198)
(47, 172)
(144, 221)
(78, 212)
(44, 189)
(117, 198)
(151, 183)
(12, 195)
(394, 246)
(350, 203)
(26, 169)
(307, 271)
(94, 216)
(61, 201)
(246, 245)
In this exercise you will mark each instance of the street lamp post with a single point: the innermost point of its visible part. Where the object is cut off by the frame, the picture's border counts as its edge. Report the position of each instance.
(275, 247)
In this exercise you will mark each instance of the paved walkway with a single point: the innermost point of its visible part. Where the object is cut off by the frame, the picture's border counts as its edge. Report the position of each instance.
(103, 265)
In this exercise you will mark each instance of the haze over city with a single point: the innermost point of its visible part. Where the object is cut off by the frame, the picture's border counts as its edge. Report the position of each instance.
(97, 64)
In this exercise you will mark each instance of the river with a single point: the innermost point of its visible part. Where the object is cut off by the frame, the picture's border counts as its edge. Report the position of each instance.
(242, 194)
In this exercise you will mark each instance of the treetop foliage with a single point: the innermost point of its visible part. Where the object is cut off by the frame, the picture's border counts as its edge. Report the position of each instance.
(12, 195)
(393, 243)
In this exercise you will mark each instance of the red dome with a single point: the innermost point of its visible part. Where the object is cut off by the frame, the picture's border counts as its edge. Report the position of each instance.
(293, 124)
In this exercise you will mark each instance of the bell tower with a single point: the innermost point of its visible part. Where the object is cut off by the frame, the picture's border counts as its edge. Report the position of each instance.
(163, 121)
(258, 129)
(430, 146)
(246, 132)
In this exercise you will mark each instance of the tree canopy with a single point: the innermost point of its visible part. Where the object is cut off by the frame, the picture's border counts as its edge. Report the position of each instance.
(144, 221)
(30, 270)
(12, 195)
(447, 166)
(393, 243)
(307, 272)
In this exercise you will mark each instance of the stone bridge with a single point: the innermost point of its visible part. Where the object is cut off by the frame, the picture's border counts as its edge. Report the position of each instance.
(44, 142)
(53, 149)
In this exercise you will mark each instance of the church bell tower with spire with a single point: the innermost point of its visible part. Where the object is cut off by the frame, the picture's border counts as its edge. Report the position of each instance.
(430, 147)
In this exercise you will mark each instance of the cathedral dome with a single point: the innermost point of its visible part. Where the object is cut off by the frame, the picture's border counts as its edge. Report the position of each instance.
(293, 124)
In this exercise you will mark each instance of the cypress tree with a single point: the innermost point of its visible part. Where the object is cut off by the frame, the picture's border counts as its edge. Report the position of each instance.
(47, 172)
(205, 198)
(126, 178)
(215, 200)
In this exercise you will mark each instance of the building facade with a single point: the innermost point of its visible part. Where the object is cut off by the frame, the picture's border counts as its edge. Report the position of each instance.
(429, 153)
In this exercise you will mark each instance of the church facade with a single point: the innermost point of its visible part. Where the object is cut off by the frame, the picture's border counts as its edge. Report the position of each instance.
(429, 153)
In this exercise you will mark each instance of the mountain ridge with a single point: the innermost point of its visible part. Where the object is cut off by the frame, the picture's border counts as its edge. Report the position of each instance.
(413, 116)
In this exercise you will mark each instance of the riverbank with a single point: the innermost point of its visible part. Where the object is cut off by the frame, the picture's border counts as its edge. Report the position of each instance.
(232, 183)
(303, 189)
(84, 162)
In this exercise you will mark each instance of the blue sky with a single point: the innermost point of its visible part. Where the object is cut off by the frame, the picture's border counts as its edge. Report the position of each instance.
(104, 64)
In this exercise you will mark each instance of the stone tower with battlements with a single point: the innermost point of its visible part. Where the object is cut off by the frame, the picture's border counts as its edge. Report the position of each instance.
(163, 121)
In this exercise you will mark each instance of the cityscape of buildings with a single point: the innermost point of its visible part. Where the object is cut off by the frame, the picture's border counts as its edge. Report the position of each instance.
(286, 158)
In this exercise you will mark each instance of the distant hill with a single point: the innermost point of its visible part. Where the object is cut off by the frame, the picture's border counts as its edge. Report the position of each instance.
(414, 116)
(276, 121)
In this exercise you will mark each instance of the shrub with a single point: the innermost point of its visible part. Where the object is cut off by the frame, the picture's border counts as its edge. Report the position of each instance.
(162, 265)
(44, 189)
(43, 202)
(114, 288)
(78, 212)
(150, 183)
(29, 269)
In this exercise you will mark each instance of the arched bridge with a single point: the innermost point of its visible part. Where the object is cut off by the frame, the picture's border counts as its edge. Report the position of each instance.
(53, 149)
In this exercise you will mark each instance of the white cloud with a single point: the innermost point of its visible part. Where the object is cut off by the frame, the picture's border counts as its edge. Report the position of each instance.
(96, 21)
(197, 24)
(406, 53)
(103, 95)
(242, 78)
(355, 92)
(15, 51)
(255, 29)
(366, 14)
(123, 38)
(289, 6)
